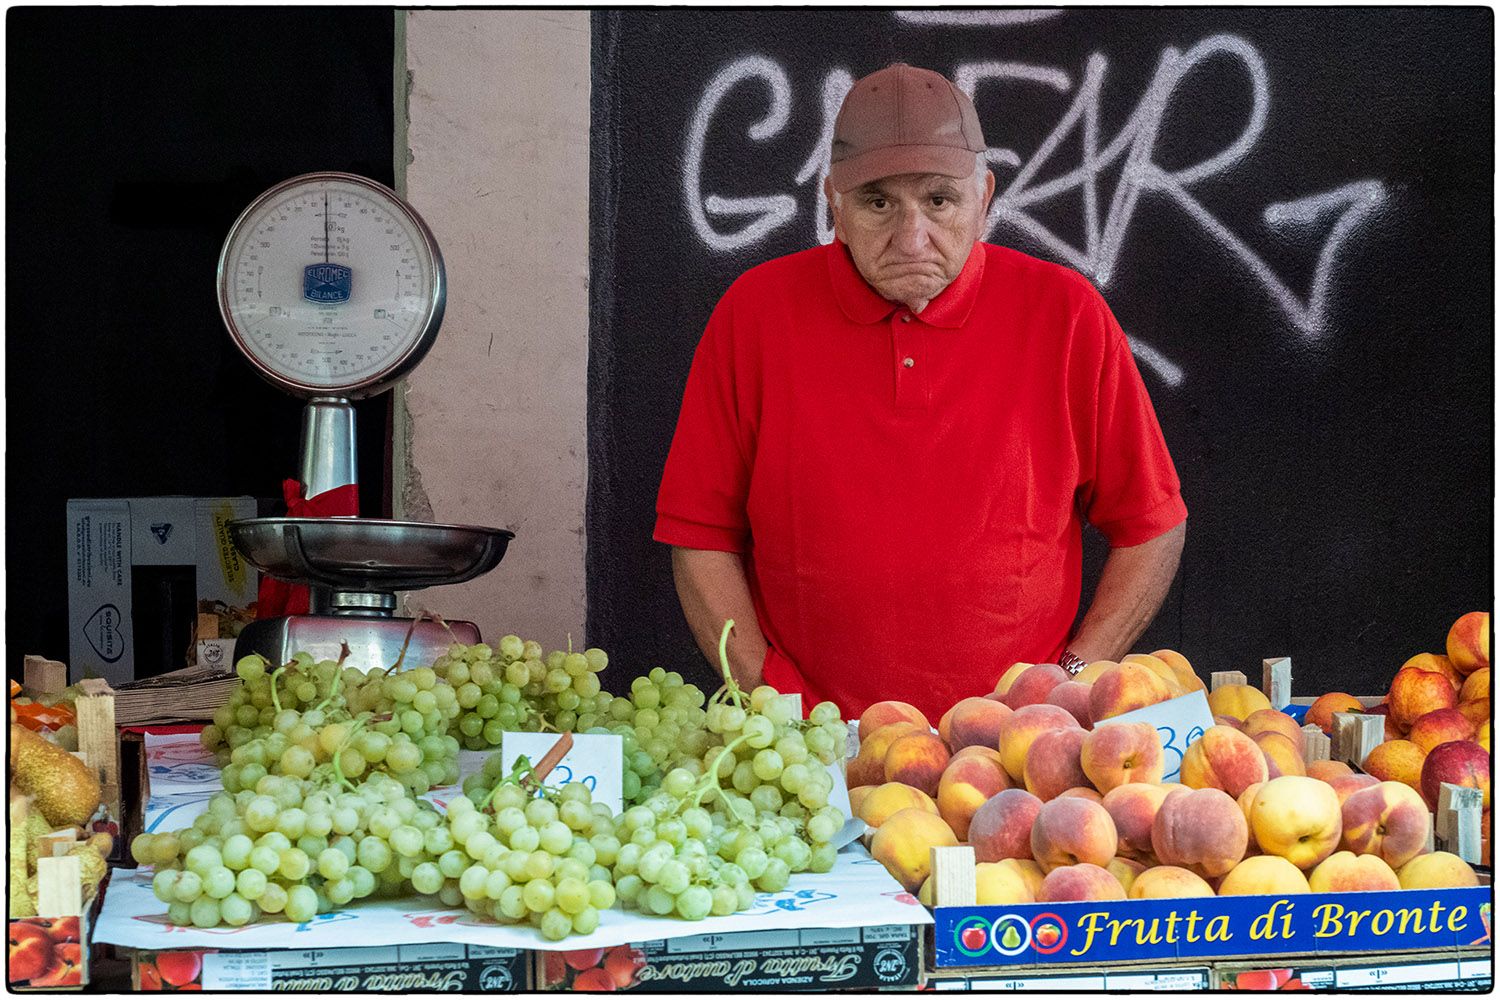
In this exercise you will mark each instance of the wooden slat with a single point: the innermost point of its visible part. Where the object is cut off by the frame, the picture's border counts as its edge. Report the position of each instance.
(1219, 678)
(953, 876)
(99, 742)
(59, 887)
(1315, 744)
(43, 676)
(1458, 821)
(1355, 734)
(1276, 681)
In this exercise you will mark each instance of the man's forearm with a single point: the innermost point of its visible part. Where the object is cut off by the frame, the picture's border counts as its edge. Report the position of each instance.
(712, 588)
(1132, 586)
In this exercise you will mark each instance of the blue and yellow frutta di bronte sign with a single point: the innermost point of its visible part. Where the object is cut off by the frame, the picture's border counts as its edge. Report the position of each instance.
(1212, 927)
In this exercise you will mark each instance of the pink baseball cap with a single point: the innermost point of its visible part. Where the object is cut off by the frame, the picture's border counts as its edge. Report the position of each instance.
(903, 120)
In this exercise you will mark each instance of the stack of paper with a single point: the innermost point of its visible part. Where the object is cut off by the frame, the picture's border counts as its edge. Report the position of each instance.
(192, 694)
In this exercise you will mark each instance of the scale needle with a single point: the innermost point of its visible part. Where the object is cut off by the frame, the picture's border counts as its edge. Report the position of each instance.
(325, 226)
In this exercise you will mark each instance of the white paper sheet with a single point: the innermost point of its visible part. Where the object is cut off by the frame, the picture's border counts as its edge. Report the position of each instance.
(857, 893)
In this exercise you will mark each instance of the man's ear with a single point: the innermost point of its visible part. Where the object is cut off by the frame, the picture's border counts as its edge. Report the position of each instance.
(828, 195)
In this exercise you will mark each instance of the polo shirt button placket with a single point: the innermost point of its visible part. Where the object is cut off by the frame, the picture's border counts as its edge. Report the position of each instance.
(910, 392)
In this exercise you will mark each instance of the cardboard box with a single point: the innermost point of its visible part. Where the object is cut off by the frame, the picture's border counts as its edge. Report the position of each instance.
(137, 569)
(1109, 932)
(1464, 971)
(416, 968)
(48, 953)
(1143, 979)
(850, 958)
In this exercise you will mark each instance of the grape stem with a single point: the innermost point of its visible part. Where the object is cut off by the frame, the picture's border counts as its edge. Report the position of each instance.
(730, 686)
(275, 700)
(338, 676)
(337, 769)
(518, 774)
(710, 780)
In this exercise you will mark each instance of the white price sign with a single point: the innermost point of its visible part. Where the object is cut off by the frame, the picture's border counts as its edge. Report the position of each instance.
(1178, 722)
(594, 761)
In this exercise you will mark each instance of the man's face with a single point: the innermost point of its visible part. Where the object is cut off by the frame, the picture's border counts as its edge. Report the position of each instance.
(910, 234)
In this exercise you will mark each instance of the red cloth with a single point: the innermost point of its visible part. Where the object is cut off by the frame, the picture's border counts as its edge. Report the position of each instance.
(909, 491)
(276, 597)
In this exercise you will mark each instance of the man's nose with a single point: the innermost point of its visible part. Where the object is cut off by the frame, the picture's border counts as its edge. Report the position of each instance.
(911, 230)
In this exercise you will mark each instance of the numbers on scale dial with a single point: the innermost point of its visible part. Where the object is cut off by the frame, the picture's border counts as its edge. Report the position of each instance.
(318, 343)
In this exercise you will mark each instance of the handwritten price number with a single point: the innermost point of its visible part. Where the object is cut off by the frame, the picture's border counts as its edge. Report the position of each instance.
(1169, 744)
(562, 774)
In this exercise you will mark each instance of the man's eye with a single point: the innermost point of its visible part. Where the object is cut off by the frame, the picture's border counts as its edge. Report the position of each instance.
(877, 203)
(939, 200)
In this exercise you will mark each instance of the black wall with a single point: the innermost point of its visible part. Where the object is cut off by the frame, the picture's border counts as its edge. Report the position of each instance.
(134, 137)
(1336, 459)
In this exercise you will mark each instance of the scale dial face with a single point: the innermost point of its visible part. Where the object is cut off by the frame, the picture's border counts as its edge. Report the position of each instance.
(331, 285)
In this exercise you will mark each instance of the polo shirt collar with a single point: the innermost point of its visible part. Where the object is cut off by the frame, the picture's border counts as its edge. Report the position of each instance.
(862, 304)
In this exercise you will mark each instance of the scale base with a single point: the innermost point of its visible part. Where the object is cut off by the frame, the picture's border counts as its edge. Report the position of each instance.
(373, 642)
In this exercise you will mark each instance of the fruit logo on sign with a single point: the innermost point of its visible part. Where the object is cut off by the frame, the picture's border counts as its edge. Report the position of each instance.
(1049, 933)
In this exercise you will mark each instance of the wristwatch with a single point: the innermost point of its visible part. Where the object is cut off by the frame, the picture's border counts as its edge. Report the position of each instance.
(1071, 662)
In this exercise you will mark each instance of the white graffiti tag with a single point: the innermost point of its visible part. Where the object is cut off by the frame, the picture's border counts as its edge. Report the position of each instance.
(1339, 213)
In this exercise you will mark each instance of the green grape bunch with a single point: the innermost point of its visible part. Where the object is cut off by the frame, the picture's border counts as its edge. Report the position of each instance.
(291, 847)
(520, 856)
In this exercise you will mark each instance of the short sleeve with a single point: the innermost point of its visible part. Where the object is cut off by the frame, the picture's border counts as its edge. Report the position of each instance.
(1128, 486)
(701, 502)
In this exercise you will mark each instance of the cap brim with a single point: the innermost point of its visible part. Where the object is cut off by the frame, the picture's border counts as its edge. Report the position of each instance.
(888, 161)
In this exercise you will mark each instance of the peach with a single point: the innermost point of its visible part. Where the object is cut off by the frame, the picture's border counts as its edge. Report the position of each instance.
(1125, 870)
(1230, 721)
(1297, 818)
(1388, 820)
(1158, 667)
(918, 760)
(975, 722)
(1125, 688)
(1203, 831)
(1237, 700)
(1345, 871)
(1092, 672)
(1282, 755)
(883, 713)
(968, 783)
(1081, 792)
(857, 796)
(1001, 828)
(1483, 736)
(984, 753)
(1468, 644)
(1010, 676)
(1072, 831)
(1224, 758)
(1347, 784)
(1397, 760)
(1462, 762)
(1021, 727)
(1033, 686)
(1477, 712)
(904, 845)
(997, 885)
(1052, 765)
(1168, 882)
(881, 802)
(942, 727)
(1133, 808)
(1187, 677)
(1268, 720)
(1438, 870)
(1320, 712)
(1264, 875)
(1327, 770)
(1073, 698)
(1443, 726)
(1028, 871)
(868, 766)
(1083, 881)
(1416, 692)
(1435, 663)
(1122, 752)
(1476, 686)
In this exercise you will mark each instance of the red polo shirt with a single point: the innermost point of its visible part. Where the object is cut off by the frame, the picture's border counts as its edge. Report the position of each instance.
(908, 491)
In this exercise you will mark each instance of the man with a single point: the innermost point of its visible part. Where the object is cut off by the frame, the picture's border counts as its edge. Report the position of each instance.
(888, 445)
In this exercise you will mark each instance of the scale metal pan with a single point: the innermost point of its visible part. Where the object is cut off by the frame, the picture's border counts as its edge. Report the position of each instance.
(354, 554)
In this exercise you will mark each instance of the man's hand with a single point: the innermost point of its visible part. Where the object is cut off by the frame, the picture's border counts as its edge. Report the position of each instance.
(712, 587)
(1132, 586)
